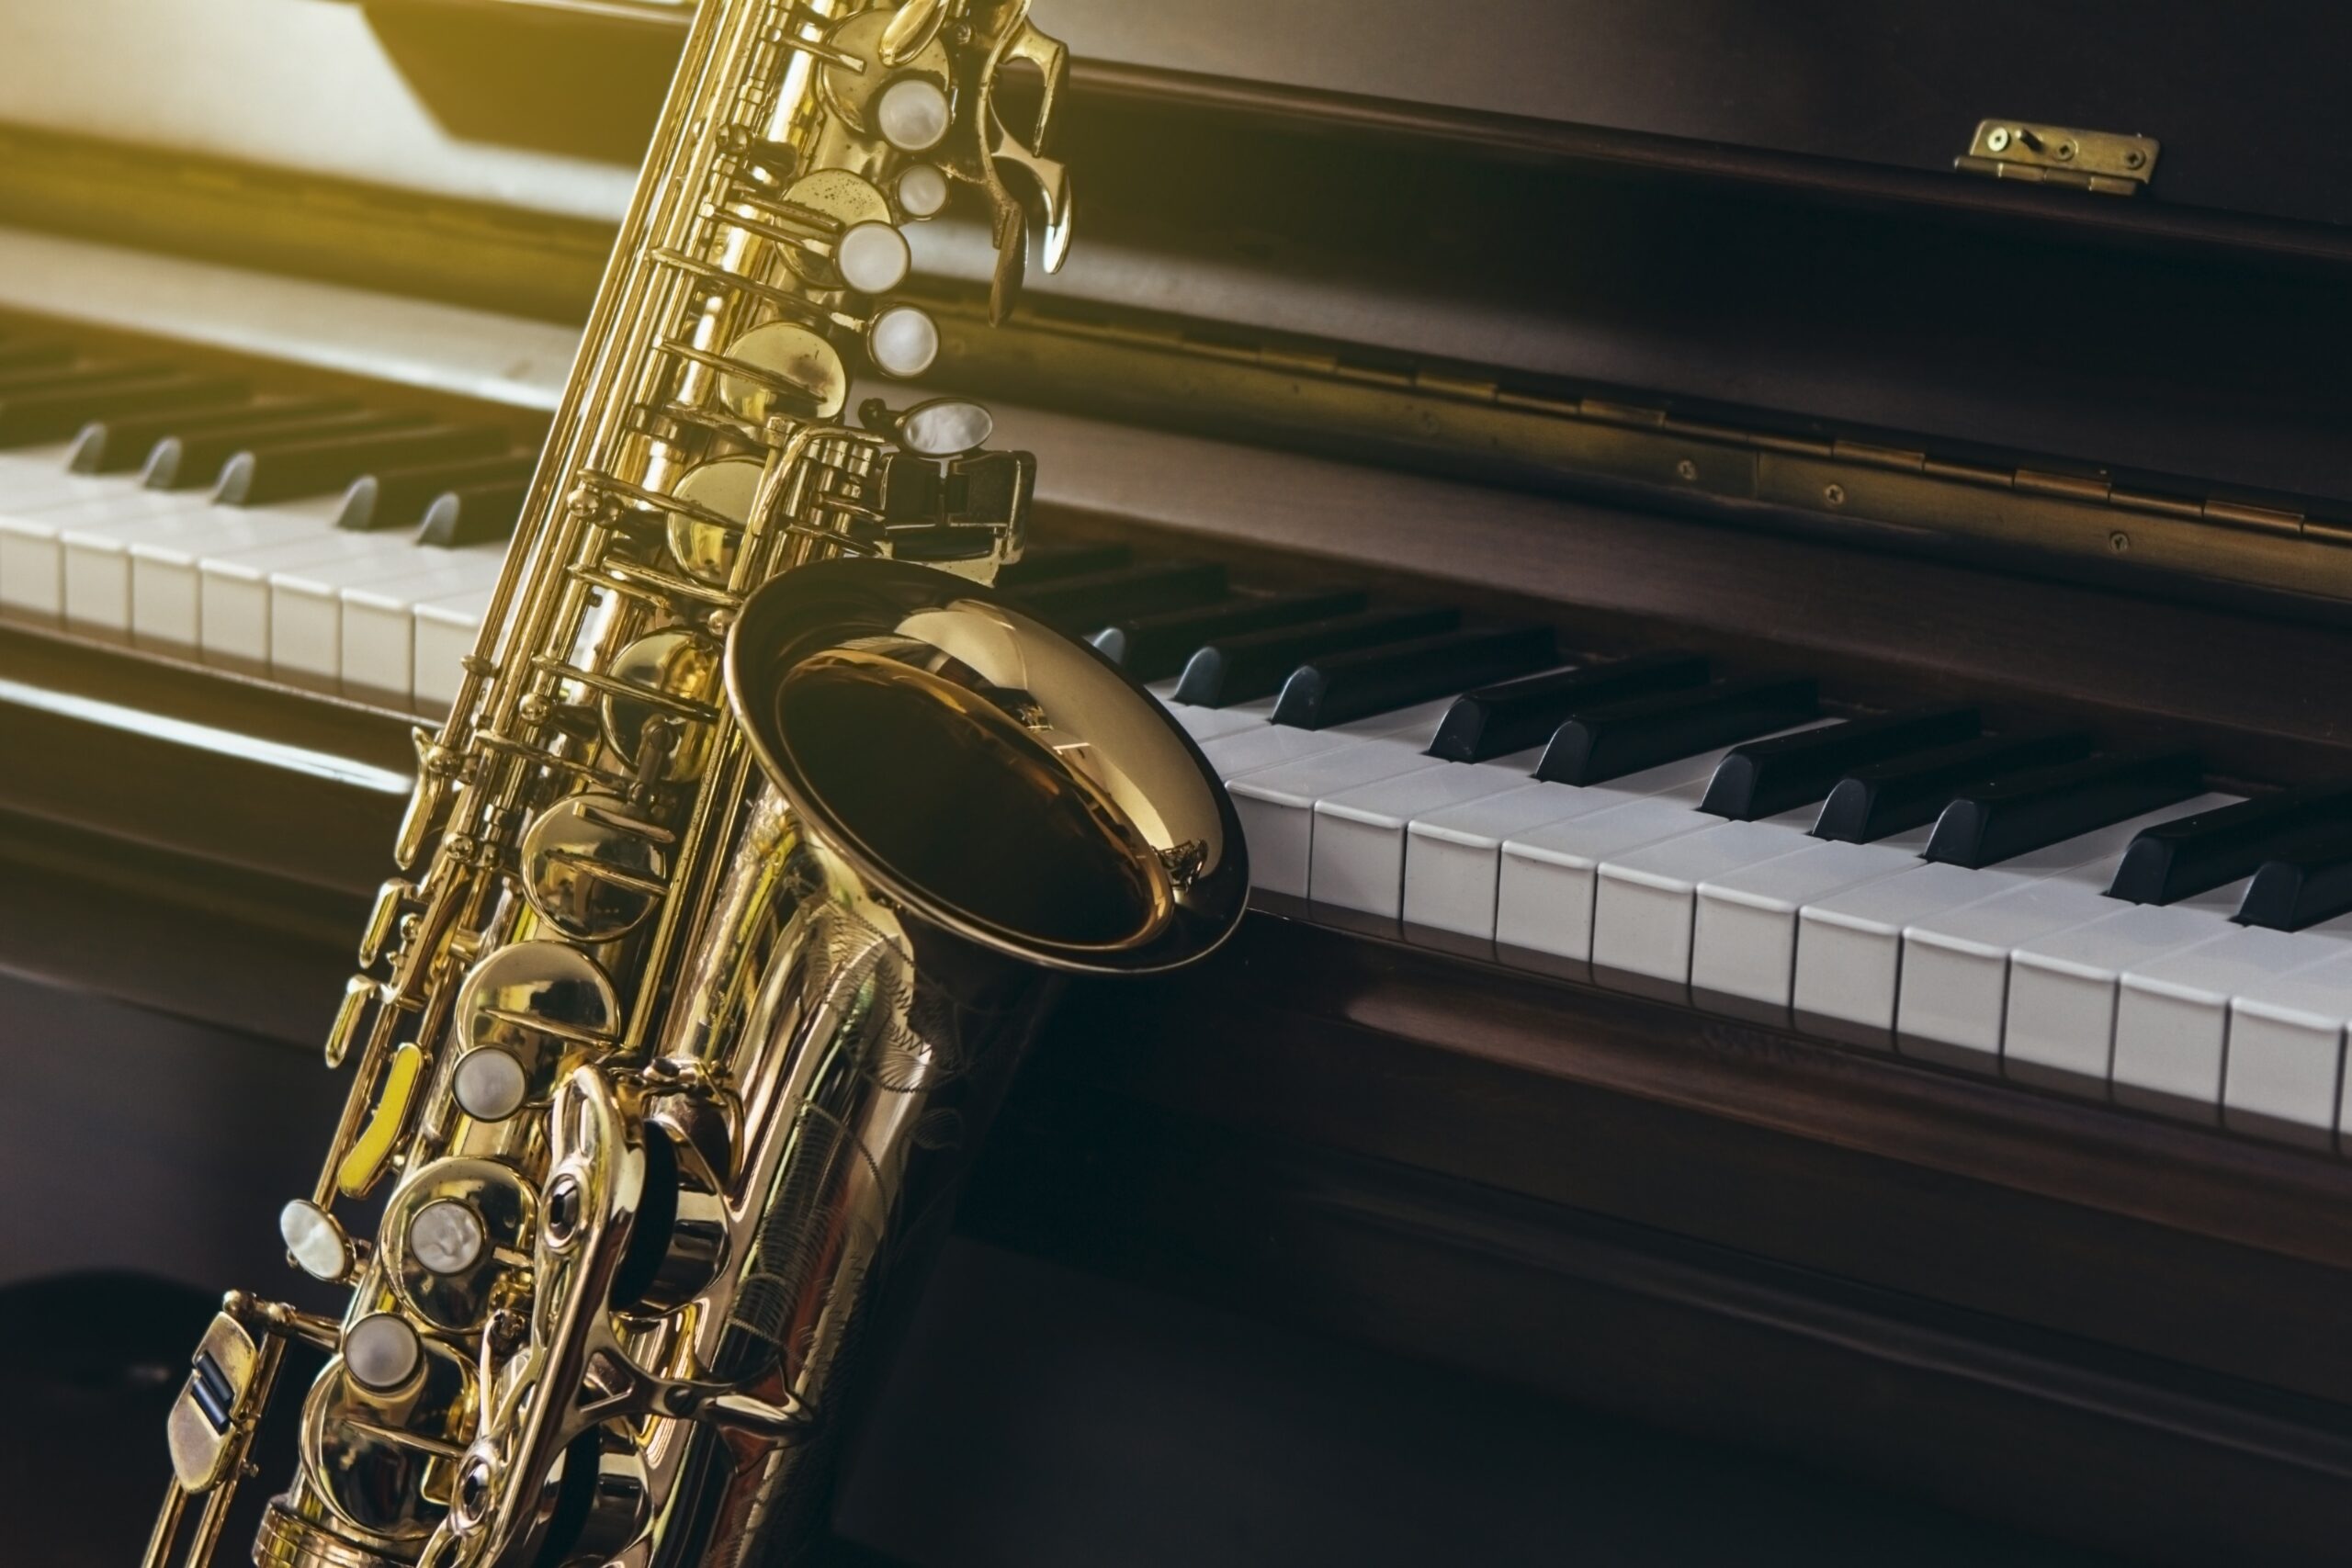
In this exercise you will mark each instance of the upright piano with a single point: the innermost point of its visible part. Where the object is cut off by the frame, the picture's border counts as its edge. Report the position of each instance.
(1775, 592)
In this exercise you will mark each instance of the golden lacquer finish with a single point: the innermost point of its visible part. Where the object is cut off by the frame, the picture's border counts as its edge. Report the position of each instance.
(737, 877)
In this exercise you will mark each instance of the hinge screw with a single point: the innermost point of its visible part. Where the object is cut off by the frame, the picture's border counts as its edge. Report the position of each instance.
(1686, 470)
(2118, 541)
(2065, 152)
(2134, 158)
(1835, 495)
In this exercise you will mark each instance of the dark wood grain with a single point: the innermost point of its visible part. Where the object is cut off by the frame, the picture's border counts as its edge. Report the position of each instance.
(1877, 626)
(2118, 1229)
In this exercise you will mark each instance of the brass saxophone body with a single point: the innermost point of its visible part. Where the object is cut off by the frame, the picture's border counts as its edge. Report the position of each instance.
(741, 869)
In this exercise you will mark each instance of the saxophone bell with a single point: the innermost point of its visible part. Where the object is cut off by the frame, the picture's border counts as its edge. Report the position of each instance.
(756, 842)
(991, 777)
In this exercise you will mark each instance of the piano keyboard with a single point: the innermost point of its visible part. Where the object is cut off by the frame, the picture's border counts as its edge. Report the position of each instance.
(2021, 904)
(265, 533)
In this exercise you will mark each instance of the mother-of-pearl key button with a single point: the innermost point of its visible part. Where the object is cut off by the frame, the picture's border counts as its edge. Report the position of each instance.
(1954, 991)
(1644, 901)
(1743, 933)
(1453, 854)
(1849, 944)
(2174, 1025)
(2060, 1025)
(378, 660)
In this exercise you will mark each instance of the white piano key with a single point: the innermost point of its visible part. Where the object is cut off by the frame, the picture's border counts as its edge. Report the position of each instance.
(236, 621)
(1358, 857)
(1644, 901)
(24, 470)
(2284, 1068)
(154, 563)
(1546, 884)
(34, 478)
(1453, 855)
(446, 633)
(308, 602)
(2174, 1029)
(32, 550)
(1205, 725)
(2059, 1027)
(1954, 991)
(380, 618)
(1276, 803)
(95, 551)
(1849, 944)
(1272, 745)
(1744, 934)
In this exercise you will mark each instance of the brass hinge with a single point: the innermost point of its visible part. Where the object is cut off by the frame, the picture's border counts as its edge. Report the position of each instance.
(2099, 161)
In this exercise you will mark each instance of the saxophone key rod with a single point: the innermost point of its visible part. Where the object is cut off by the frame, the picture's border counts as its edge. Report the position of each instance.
(749, 857)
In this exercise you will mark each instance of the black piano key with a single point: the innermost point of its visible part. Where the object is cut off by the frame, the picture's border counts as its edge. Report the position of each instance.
(1043, 563)
(1764, 778)
(1616, 739)
(1990, 823)
(1087, 602)
(1335, 688)
(283, 470)
(2182, 858)
(196, 457)
(1255, 664)
(1512, 715)
(1877, 802)
(474, 514)
(53, 415)
(398, 498)
(2289, 896)
(119, 442)
(1152, 647)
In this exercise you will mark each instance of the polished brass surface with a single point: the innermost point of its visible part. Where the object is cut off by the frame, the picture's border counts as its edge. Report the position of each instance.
(735, 880)
(2098, 161)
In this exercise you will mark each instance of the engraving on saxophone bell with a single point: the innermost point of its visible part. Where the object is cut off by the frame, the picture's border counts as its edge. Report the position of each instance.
(737, 878)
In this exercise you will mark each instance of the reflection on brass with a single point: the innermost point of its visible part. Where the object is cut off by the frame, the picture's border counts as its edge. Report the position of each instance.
(803, 373)
(2098, 161)
(734, 882)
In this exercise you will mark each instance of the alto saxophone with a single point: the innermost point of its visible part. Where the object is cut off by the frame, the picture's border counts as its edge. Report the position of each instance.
(744, 865)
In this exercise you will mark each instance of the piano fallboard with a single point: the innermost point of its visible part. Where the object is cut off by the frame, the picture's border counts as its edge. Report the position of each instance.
(1953, 1250)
